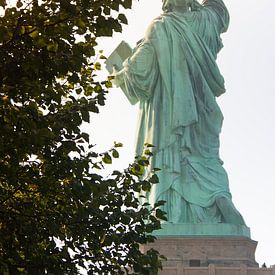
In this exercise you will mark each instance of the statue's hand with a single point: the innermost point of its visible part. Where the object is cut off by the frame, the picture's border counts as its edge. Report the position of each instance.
(116, 76)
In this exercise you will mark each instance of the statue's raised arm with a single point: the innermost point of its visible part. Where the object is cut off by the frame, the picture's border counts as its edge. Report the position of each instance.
(208, 20)
(219, 12)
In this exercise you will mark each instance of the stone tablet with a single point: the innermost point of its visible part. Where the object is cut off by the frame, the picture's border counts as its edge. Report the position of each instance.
(118, 56)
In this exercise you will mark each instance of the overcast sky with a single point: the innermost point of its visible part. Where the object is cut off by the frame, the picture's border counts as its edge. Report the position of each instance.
(247, 63)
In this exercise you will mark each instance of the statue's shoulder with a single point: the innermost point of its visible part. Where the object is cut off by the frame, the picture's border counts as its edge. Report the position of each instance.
(157, 26)
(159, 21)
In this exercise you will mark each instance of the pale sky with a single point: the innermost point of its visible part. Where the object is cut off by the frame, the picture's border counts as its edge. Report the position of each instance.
(247, 63)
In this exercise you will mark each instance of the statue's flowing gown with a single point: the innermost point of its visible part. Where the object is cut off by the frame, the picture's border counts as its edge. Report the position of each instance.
(174, 76)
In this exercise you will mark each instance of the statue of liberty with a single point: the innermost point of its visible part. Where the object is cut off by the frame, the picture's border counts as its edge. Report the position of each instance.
(174, 76)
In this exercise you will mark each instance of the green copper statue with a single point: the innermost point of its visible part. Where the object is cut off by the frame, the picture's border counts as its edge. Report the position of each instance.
(173, 75)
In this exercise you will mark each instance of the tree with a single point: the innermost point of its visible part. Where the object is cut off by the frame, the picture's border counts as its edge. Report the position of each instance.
(56, 212)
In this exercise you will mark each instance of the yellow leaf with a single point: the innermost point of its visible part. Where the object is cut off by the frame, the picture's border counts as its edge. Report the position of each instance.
(34, 34)
(22, 30)
(97, 66)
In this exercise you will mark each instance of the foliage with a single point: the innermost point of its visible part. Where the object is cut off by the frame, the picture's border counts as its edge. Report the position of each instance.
(56, 211)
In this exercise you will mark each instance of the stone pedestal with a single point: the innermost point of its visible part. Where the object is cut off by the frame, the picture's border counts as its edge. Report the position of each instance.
(203, 251)
(202, 246)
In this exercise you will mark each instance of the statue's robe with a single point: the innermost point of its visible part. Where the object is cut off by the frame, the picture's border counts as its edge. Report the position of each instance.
(174, 76)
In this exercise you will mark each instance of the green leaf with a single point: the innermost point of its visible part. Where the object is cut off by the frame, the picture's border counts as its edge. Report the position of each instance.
(52, 47)
(33, 34)
(3, 3)
(115, 5)
(78, 91)
(143, 162)
(80, 23)
(103, 57)
(108, 84)
(154, 179)
(22, 30)
(159, 203)
(40, 42)
(122, 18)
(159, 213)
(115, 153)
(148, 152)
(93, 108)
(19, 4)
(118, 144)
(146, 186)
(85, 115)
(107, 10)
(85, 136)
(137, 170)
(107, 159)
(148, 145)
(127, 4)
